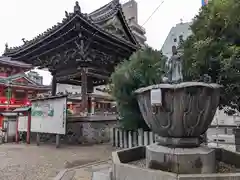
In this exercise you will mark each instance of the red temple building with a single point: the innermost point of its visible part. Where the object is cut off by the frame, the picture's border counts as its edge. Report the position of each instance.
(16, 88)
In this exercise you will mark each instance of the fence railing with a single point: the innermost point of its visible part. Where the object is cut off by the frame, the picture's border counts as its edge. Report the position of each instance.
(127, 139)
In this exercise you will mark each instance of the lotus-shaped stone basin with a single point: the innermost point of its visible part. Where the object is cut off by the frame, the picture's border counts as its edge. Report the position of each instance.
(186, 109)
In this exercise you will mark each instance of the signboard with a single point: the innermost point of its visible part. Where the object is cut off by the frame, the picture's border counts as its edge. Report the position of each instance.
(156, 97)
(49, 115)
(22, 123)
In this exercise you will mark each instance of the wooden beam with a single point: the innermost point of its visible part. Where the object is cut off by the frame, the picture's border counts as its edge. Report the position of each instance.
(54, 85)
(74, 73)
(98, 73)
(79, 83)
(99, 76)
(84, 89)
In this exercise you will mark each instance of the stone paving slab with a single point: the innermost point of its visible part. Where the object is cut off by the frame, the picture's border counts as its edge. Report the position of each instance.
(69, 175)
(30, 162)
(86, 173)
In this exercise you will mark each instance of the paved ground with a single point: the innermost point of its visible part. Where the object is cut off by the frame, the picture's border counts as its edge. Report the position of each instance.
(30, 162)
(86, 173)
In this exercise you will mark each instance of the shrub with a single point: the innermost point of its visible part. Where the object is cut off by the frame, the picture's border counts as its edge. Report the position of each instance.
(143, 68)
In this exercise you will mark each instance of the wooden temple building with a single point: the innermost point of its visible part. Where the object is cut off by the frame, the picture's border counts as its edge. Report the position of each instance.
(102, 103)
(81, 50)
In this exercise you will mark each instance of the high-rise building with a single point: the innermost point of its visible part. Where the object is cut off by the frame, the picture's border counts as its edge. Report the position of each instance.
(177, 33)
(130, 10)
(35, 77)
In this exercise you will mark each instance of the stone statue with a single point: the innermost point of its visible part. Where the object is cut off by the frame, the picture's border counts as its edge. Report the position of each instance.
(77, 7)
(174, 68)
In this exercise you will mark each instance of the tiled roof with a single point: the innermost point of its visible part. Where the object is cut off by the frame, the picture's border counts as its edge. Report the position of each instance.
(7, 61)
(95, 19)
(10, 80)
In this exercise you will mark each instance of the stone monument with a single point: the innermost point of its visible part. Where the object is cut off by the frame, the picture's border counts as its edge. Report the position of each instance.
(179, 113)
(174, 67)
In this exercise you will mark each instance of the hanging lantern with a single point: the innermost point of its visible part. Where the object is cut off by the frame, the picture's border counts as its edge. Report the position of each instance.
(12, 101)
(27, 102)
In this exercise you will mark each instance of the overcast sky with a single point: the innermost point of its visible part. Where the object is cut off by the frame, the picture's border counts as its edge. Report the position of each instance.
(27, 18)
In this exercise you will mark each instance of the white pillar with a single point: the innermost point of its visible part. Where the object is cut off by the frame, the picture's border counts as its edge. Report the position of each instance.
(129, 139)
(116, 137)
(140, 137)
(112, 138)
(151, 137)
(145, 137)
(121, 138)
(125, 143)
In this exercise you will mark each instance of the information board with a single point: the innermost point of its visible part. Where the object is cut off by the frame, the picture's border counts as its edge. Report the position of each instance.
(22, 123)
(49, 115)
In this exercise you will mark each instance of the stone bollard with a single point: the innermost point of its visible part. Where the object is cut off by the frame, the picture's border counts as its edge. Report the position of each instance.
(135, 139)
(140, 137)
(125, 139)
(129, 139)
(237, 139)
(145, 138)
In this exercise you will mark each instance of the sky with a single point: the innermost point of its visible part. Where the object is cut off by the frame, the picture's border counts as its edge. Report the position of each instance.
(28, 18)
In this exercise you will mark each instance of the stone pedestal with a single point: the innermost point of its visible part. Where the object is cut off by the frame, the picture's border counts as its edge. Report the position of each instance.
(178, 142)
(197, 160)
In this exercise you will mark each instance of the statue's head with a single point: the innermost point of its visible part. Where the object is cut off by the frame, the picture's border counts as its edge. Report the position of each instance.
(174, 50)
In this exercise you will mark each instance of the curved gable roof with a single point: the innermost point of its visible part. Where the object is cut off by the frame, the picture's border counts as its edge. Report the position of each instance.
(96, 19)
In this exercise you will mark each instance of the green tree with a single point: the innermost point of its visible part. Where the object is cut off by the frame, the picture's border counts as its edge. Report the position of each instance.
(144, 68)
(214, 48)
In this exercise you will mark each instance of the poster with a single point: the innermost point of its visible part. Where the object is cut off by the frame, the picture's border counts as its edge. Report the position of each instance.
(49, 115)
(22, 123)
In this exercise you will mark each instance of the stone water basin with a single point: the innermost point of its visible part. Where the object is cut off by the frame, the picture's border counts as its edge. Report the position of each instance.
(130, 164)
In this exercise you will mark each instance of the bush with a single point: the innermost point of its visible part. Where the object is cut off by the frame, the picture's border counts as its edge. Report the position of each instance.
(143, 68)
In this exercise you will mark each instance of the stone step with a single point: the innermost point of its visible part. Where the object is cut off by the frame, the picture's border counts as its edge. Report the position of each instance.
(104, 174)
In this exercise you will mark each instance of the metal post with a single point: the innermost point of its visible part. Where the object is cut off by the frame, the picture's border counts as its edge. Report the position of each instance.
(57, 140)
(54, 89)
(29, 127)
(38, 139)
(217, 130)
(17, 133)
(8, 95)
(84, 91)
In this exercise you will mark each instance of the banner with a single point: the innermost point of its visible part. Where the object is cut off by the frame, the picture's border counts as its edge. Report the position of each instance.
(204, 2)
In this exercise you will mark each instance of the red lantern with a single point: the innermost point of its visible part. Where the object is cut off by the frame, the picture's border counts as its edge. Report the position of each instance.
(27, 103)
(3, 100)
(12, 101)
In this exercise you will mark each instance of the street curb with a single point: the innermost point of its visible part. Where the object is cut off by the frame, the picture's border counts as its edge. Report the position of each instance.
(89, 164)
(61, 174)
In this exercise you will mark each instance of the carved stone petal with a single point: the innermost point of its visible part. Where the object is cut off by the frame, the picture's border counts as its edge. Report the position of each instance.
(187, 108)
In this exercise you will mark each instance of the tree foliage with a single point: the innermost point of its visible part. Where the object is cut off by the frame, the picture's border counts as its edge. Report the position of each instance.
(144, 68)
(214, 48)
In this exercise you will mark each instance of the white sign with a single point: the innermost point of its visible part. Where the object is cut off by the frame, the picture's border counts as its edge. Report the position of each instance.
(49, 115)
(156, 97)
(22, 123)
